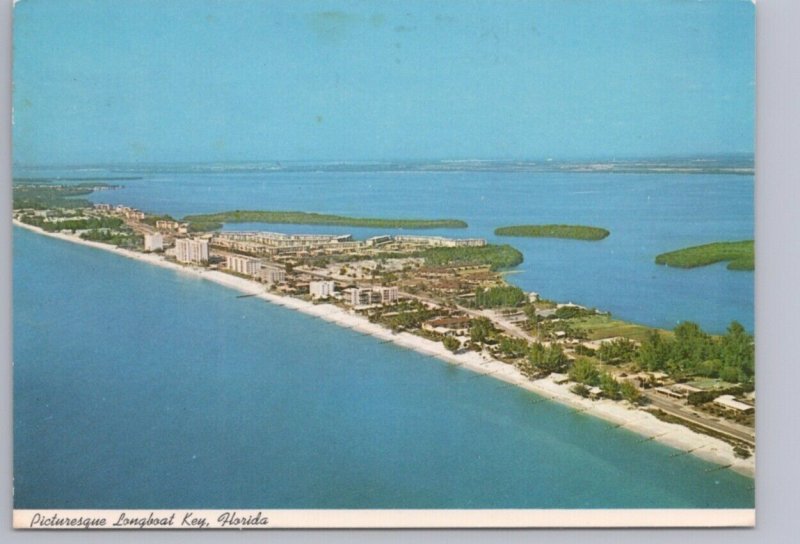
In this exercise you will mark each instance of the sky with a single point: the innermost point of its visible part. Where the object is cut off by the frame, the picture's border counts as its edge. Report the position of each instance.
(141, 81)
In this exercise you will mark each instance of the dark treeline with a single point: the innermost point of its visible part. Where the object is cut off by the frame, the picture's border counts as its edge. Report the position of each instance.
(691, 351)
(73, 224)
(499, 297)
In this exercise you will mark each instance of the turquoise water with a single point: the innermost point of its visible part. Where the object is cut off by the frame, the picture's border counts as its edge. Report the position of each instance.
(647, 214)
(139, 387)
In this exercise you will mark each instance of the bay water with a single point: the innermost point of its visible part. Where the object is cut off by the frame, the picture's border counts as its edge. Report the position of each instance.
(140, 387)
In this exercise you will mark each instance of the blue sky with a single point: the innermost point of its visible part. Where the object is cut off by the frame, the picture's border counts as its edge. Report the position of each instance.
(104, 81)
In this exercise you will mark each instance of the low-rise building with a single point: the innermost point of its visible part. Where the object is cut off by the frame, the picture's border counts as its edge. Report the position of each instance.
(666, 391)
(731, 404)
(166, 225)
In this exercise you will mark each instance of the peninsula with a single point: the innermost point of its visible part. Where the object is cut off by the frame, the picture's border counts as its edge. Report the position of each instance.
(738, 255)
(447, 297)
(575, 232)
(214, 221)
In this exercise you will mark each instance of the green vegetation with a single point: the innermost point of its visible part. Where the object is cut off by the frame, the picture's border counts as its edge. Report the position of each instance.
(692, 352)
(575, 232)
(451, 343)
(739, 255)
(597, 327)
(617, 351)
(497, 257)
(499, 297)
(40, 197)
(513, 347)
(584, 371)
(629, 392)
(78, 223)
(609, 386)
(580, 389)
(214, 221)
(481, 330)
(119, 239)
(543, 360)
(571, 312)
(406, 315)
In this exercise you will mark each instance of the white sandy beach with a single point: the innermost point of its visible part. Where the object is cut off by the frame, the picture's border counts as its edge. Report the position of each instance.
(632, 419)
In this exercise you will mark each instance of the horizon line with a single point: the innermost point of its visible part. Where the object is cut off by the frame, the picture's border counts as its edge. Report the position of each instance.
(743, 155)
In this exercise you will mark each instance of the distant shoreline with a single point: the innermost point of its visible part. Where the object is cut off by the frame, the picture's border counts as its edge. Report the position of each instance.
(677, 436)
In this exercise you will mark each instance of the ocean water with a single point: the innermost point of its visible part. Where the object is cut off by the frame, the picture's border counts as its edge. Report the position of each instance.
(647, 214)
(140, 387)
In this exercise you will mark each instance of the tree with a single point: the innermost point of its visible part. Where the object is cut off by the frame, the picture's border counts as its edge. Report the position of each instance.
(584, 371)
(513, 347)
(580, 389)
(480, 329)
(630, 392)
(547, 360)
(737, 350)
(609, 386)
(691, 345)
(451, 343)
(654, 352)
(501, 296)
(619, 350)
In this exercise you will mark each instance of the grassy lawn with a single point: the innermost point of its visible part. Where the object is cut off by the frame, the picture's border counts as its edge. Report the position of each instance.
(603, 326)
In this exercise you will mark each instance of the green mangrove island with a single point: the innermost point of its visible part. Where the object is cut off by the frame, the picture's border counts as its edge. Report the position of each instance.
(739, 255)
(213, 221)
(575, 232)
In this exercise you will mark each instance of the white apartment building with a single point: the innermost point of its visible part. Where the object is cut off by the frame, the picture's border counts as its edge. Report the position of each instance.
(272, 274)
(240, 264)
(189, 250)
(321, 289)
(153, 242)
(375, 295)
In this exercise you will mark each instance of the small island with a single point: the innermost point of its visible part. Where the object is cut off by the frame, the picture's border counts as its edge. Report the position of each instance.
(739, 255)
(575, 232)
(214, 221)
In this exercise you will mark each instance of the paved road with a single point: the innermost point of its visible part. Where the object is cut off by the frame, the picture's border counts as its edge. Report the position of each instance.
(681, 411)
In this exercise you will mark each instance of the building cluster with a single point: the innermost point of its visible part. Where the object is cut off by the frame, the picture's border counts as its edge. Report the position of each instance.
(255, 268)
(120, 210)
(274, 244)
(439, 241)
(165, 225)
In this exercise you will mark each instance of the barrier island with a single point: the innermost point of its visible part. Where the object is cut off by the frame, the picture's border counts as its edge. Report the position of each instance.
(214, 221)
(575, 232)
(447, 297)
(739, 255)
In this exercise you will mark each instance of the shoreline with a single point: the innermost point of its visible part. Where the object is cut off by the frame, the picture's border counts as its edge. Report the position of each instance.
(635, 420)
